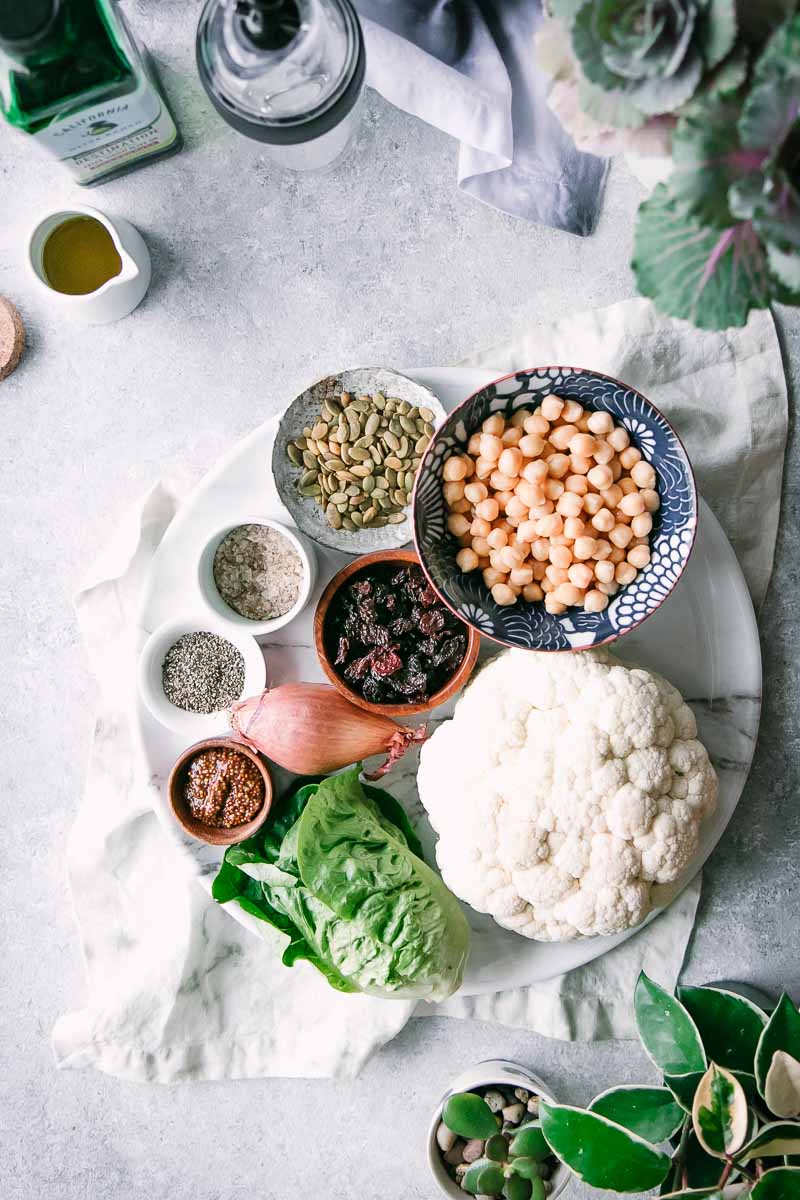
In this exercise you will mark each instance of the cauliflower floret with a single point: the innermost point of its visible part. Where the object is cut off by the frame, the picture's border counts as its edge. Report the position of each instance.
(566, 791)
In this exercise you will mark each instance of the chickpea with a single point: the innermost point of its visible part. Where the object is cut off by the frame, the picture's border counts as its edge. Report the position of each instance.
(583, 423)
(491, 577)
(484, 468)
(620, 535)
(542, 510)
(604, 571)
(616, 468)
(579, 466)
(475, 492)
(535, 472)
(553, 489)
(558, 466)
(495, 424)
(639, 556)
(560, 556)
(617, 555)
(612, 496)
(531, 445)
(629, 457)
(497, 539)
(491, 447)
(584, 547)
(547, 526)
(465, 540)
(556, 575)
(625, 573)
(580, 575)
(552, 605)
(601, 477)
(551, 408)
(453, 491)
(454, 468)
(521, 576)
(562, 435)
(572, 411)
(474, 445)
(632, 504)
(488, 509)
(603, 520)
(608, 589)
(652, 500)
(569, 505)
(516, 507)
(627, 486)
(480, 528)
(642, 524)
(574, 528)
(539, 569)
(461, 506)
(512, 556)
(583, 445)
(481, 547)
(512, 436)
(526, 532)
(519, 417)
(592, 503)
(510, 462)
(603, 550)
(502, 499)
(501, 482)
(457, 524)
(537, 423)
(497, 564)
(503, 594)
(577, 485)
(622, 518)
(532, 592)
(643, 475)
(595, 601)
(467, 560)
(540, 549)
(604, 453)
(530, 494)
(470, 465)
(601, 422)
(619, 438)
(568, 594)
(546, 584)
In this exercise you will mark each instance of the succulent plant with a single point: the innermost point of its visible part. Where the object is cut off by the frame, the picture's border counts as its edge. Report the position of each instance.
(513, 1160)
(726, 1112)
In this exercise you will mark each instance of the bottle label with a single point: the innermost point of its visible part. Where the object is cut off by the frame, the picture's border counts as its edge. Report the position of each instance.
(96, 141)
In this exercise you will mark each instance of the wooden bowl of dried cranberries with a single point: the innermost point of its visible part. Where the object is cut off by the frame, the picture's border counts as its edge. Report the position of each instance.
(385, 639)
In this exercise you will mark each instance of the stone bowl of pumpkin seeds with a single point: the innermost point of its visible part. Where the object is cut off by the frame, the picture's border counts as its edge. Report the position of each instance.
(346, 455)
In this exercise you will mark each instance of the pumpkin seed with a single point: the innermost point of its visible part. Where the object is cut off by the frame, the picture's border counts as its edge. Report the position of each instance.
(395, 427)
(348, 524)
(426, 414)
(421, 443)
(409, 426)
(300, 443)
(402, 449)
(353, 490)
(309, 459)
(362, 470)
(400, 497)
(307, 431)
(357, 519)
(346, 456)
(358, 454)
(394, 462)
(428, 429)
(333, 516)
(369, 484)
(320, 430)
(330, 408)
(345, 398)
(404, 408)
(339, 498)
(383, 501)
(379, 522)
(391, 477)
(369, 516)
(308, 477)
(408, 481)
(313, 489)
(294, 455)
(379, 400)
(377, 455)
(373, 422)
(391, 440)
(396, 518)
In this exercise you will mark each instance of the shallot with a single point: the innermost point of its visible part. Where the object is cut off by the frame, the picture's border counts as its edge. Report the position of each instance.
(310, 729)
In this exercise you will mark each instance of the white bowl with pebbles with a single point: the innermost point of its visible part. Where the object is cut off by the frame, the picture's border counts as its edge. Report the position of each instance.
(513, 1092)
(192, 669)
(256, 574)
(346, 456)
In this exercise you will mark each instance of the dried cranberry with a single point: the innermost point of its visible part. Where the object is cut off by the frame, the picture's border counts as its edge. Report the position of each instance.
(342, 652)
(359, 669)
(385, 661)
(431, 621)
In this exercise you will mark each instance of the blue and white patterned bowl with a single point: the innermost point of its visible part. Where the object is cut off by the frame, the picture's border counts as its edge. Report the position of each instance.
(530, 626)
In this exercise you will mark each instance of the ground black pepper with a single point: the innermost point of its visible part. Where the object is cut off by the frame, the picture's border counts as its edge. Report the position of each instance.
(202, 673)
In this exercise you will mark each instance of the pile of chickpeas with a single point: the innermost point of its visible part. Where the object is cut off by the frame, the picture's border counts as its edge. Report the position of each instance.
(554, 504)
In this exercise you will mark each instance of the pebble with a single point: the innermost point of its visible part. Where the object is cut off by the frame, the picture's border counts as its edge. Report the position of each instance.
(495, 1100)
(533, 1104)
(12, 337)
(445, 1137)
(455, 1154)
(472, 1150)
(513, 1113)
(522, 1094)
(461, 1171)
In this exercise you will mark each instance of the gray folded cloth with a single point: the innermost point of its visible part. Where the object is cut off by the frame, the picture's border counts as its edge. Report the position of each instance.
(467, 67)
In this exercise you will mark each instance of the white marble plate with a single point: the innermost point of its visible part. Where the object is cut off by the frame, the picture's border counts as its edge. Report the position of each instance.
(704, 639)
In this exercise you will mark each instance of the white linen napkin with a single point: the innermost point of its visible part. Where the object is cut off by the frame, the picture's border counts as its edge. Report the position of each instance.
(177, 989)
(469, 70)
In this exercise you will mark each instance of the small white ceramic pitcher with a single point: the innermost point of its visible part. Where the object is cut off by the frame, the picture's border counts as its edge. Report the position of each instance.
(119, 295)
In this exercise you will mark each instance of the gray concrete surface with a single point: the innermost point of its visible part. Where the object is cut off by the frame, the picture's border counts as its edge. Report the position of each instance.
(264, 281)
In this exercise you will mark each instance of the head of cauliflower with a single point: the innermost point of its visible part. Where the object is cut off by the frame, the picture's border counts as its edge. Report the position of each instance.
(563, 790)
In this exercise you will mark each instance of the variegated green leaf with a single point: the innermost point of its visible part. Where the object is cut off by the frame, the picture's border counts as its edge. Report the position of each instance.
(781, 1183)
(782, 1032)
(600, 1153)
(720, 1114)
(649, 1111)
(782, 1087)
(668, 1033)
(729, 1025)
(777, 1138)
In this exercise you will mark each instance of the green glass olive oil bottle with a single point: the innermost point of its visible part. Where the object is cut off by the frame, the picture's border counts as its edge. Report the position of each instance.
(73, 78)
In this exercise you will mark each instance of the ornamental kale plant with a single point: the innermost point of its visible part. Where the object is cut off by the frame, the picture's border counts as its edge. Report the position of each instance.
(718, 86)
(726, 1112)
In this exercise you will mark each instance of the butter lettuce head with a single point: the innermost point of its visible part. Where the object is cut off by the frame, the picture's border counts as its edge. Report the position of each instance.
(339, 870)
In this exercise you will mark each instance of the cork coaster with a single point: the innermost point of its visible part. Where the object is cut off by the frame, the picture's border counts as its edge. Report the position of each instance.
(12, 337)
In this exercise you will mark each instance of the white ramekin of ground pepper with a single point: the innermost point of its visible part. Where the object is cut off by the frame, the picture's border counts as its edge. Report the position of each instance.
(192, 669)
(256, 574)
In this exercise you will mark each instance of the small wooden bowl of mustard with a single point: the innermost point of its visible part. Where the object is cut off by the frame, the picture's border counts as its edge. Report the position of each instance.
(220, 791)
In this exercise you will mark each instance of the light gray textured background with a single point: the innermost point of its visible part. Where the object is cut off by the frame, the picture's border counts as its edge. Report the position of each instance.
(264, 281)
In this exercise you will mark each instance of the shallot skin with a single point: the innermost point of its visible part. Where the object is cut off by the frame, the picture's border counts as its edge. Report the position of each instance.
(311, 729)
